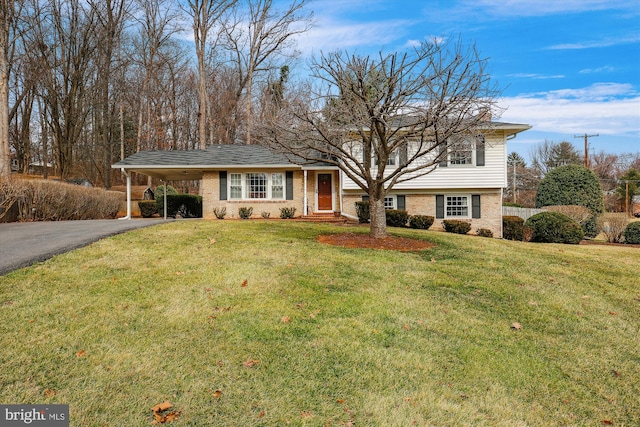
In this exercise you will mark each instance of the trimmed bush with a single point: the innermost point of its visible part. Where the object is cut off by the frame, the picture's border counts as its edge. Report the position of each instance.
(185, 205)
(396, 217)
(571, 185)
(554, 227)
(421, 222)
(456, 226)
(265, 214)
(632, 233)
(287, 213)
(362, 210)
(220, 213)
(147, 208)
(512, 228)
(48, 200)
(612, 225)
(245, 213)
(485, 232)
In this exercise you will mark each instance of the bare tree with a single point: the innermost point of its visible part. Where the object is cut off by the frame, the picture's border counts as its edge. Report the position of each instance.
(388, 119)
(549, 155)
(8, 12)
(204, 14)
(65, 41)
(259, 36)
(157, 25)
(110, 16)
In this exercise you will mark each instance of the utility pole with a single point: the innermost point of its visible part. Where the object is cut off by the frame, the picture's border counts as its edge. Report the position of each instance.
(586, 147)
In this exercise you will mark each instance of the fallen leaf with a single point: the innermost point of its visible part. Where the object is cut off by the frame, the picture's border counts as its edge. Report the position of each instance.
(49, 392)
(208, 290)
(340, 401)
(517, 326)
(250, 363)
(406, 327)
(8, 303)
(261, 414)
(433, 259)
(161, 407)
(613, 313)
(179, 273)
(285, 319)
(615, 373)
(220, 363)
(217, 394)
(81, 353)
(171, 416)
(306, 414)
(245, 283)
(212, 241)
(607, 422)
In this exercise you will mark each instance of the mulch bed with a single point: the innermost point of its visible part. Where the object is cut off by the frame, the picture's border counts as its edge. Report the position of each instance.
(360, 240)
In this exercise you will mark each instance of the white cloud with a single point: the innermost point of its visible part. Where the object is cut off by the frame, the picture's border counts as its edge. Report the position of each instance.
(546, 7)
(596, 43)
(603, 69)
(605, 108)
(536, 76)
(328, 36)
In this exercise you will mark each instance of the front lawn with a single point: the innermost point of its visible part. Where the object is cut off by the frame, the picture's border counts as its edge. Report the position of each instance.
(255, 323)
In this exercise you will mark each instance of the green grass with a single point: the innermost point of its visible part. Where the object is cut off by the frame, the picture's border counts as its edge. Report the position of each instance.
(342, 336)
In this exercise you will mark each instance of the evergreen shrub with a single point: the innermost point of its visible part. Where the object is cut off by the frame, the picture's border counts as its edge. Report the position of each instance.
(421, 222)
(456, 226)
(632, 233)
(396, 217)
(512, 227)
(245, 213)
(362, 209)
(287, 213)
(554, 227)
(147, 208)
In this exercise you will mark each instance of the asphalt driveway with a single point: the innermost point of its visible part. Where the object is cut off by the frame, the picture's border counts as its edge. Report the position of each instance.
(26, 243)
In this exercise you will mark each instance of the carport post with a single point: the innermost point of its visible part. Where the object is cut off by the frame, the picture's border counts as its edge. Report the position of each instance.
(164, 196)
(128, 194)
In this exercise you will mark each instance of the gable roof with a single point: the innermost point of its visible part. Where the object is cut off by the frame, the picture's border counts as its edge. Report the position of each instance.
(190, 164)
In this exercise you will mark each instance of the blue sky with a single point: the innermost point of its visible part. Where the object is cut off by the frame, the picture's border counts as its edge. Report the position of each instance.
(566, 67)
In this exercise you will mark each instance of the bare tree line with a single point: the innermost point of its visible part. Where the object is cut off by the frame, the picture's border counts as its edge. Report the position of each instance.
(85, 82)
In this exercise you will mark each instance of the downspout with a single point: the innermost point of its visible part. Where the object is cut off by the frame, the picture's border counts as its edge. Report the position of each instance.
(340, 191)
(304, 200)
(128, 194)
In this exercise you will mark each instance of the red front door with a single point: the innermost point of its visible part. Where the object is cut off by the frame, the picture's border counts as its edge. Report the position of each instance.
(325, 202)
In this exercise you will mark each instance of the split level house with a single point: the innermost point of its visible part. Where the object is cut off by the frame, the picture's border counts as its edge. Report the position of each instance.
(466, 185)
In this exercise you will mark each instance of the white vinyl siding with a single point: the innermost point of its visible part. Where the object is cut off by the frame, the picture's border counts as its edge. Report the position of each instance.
(492, 175)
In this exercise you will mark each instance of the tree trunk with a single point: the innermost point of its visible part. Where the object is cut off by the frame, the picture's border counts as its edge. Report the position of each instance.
(5, 158)
(378, 226)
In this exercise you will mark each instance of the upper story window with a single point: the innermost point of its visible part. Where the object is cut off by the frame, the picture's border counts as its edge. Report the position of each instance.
(464, 151)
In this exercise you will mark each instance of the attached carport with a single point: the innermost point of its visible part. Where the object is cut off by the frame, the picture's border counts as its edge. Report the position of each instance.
(163, 165)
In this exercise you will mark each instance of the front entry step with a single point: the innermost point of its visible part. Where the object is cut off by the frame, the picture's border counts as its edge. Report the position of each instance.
(329, 217)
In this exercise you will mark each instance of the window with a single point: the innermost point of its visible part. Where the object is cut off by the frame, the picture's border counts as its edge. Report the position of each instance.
(235, 186)
(277, 186)
(390, 202)
(256, 185)
(457, 206)
(461, 152)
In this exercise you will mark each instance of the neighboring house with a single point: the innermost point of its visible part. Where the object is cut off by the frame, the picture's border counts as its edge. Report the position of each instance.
(467, 186)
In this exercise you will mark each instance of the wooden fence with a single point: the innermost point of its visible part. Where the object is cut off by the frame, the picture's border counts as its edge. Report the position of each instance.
(523, 213)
